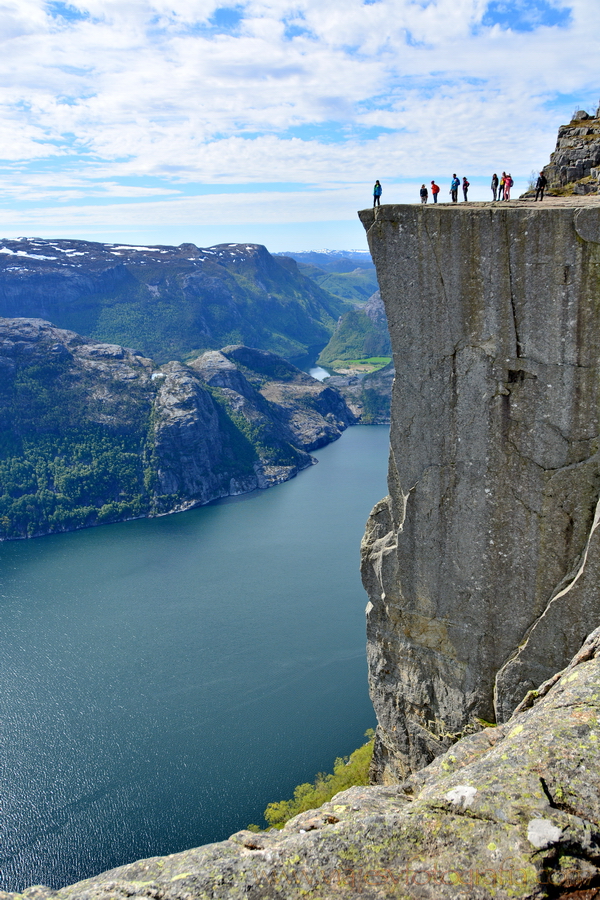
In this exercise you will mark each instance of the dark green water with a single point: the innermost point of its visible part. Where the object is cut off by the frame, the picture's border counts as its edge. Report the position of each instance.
(163, 680)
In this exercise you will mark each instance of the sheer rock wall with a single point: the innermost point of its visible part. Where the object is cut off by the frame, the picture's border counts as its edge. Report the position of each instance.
(482, 564)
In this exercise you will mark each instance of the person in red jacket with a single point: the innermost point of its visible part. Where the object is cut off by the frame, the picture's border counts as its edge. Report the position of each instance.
(434, 191)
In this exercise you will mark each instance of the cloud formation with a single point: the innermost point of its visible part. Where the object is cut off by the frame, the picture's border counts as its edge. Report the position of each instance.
(104, 101)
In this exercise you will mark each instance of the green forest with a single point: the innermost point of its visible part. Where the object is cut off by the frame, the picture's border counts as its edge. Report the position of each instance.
(348, 771)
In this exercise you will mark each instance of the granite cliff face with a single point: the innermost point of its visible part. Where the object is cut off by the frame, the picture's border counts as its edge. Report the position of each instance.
(482, 564)
(94, 432)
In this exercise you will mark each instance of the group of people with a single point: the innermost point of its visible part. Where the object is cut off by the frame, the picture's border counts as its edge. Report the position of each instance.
(501, 186)
(500, 189)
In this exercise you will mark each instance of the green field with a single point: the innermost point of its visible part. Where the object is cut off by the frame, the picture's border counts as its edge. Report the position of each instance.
(371, 364)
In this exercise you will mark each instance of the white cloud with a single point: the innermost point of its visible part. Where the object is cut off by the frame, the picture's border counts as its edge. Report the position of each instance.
(125, 99)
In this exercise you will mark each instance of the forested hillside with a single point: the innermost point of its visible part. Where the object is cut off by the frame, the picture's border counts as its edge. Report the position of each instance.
(93, 432)
(168, 302)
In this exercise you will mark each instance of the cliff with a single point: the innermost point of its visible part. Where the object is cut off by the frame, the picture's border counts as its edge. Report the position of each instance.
(93, 432)
(574, 166)
(168, 302)
(482, 564)
(510, 812)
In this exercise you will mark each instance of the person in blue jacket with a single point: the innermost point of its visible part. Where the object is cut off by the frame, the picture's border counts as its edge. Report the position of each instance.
(377, 190)
(454, 186)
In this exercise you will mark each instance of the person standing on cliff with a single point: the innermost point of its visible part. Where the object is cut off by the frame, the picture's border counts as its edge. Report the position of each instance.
(501, 187)
(494, 185)
(435, 189)
(377, 191)
(424, 194)
(540, 186)
(508, 183)
(454, 186)
(465, 188)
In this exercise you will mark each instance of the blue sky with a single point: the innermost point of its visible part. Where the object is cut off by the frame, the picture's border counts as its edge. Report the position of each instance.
(161, 121)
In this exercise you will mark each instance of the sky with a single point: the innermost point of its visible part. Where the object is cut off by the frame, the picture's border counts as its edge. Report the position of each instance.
(267, 121)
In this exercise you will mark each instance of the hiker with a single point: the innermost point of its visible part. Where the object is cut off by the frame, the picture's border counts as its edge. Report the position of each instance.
(454, 186)
(540, 186)
(434, 191)
(508, 183)
(465, 188)
(377, 190)
(501, 186)
(494, 185)
(424, 194)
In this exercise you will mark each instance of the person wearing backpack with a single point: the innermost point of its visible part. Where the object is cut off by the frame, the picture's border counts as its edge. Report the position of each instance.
(465, 187)
(377, 191)
(508, 183)
(434, 191)
(454, 186)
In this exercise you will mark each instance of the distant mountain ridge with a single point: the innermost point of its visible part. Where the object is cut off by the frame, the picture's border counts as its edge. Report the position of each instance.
(332, 260)
(168, 302)
(347, 274)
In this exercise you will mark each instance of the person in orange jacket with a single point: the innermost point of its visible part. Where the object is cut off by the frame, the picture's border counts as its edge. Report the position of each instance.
(434, 191)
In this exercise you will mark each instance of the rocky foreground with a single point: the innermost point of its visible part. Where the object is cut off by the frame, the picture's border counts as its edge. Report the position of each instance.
(509, 812)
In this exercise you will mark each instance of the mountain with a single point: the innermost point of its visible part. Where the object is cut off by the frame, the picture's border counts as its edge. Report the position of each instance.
(359, 334)
(360, 353)
(349, 274)
(94, 432)
(333, 260)
(168, 302)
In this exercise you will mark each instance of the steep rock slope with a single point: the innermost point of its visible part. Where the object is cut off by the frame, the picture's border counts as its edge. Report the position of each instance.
(511, 812)
(482, 564)
(168, 302)
(93, 432)
(574, 166)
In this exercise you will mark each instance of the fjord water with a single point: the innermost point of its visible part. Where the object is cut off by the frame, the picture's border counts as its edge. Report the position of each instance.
(162, 680)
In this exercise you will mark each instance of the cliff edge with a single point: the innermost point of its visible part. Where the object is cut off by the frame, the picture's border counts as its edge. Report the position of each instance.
(482, 565)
